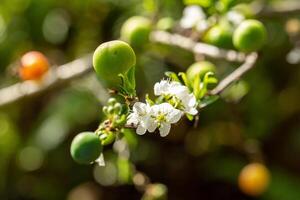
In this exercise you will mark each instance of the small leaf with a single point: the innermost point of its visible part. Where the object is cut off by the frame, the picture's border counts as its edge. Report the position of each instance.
(196, 87)
(131, 76)
(173, 76)
(128, 83)
(205, 83)
(208, 100)
(185, 79)
(148, 100)
(190, 117)
(202, 3)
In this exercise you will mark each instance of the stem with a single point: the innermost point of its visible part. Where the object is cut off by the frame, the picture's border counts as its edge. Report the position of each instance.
(56, 77)
(283, 10)
(236, 74)
(197, 48)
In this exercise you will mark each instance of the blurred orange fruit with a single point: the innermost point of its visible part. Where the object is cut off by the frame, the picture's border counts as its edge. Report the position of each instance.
(33, 66)
(254, 179)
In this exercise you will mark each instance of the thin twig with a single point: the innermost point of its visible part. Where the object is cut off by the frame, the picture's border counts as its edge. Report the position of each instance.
(236, 74)
(197, 48)
(59, 76)
(282, 10)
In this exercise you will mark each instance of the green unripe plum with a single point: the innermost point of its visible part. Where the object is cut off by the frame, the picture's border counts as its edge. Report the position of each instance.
(111, 59)
(249, 36)
(136, 31)
(165, 24)
(219, 36)
(86, 147)
(200, 69)
(245, 9)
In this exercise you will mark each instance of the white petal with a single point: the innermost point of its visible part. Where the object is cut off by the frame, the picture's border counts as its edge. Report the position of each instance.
(192, 111)
(140, 107)
(235, 17)
(161, 87)
(174, 116)
(140, 130)
(194, 12)
(157, 89)
(202, 25)
(100, 160)
(187, 23)
(192, 100)
(132, 119)
(164, 129)
(151, 126)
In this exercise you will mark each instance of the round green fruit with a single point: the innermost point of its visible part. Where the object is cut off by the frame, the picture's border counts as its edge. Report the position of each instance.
(136, 31)
(86, 147)
(219, 36)
(165, 24)
(111, 59)
(245, 9)
(200, 69)
(249, 36)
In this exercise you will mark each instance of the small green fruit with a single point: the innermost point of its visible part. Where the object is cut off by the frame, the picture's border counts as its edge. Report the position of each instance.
(111, 59)
(249, 36)
(165, 24)
(245, 9)
(219, 36)
(136, 31)
(86, 147)
(200, 69)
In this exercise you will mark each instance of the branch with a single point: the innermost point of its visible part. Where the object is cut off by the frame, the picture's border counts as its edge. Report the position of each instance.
(59, 76)
(197, 48)
(70, 71)
(236, 74)
(282, 10)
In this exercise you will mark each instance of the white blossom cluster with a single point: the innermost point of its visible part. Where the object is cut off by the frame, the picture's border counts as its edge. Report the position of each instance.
(194, 17)
(177, 101)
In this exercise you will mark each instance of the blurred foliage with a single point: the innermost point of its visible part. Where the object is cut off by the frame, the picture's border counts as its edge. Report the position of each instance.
(262, 110)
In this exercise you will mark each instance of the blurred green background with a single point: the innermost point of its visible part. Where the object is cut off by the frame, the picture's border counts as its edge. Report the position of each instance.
(202, 163)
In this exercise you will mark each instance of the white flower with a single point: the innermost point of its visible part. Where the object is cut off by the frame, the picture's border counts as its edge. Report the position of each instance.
(162, 116)
(191, 16)
(202, 25)
(139, 117)
(235, 17)
(178, 94)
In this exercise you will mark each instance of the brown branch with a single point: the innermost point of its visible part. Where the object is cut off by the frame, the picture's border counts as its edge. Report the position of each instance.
(197, 48)
(236, 74)
(59, 76)
(282, 10)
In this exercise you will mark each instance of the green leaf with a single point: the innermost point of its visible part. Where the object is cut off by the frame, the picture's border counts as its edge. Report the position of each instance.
(207, 77)
(185, 79)
(128, 82)
(196, 87)
(149, 101)
(131, 76)
(203, 3)
(207, 100)
(173, 76)
(190, 117)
